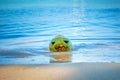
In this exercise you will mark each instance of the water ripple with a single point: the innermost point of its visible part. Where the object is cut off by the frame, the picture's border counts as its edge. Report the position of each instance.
(95, 34)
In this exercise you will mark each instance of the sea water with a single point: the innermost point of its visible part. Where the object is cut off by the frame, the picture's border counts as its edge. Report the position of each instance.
(25, 34)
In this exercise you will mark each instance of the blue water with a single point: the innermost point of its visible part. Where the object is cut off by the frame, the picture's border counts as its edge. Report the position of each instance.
(25, 34)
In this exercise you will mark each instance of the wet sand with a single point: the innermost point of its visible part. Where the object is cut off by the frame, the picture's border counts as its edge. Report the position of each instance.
(61, 71)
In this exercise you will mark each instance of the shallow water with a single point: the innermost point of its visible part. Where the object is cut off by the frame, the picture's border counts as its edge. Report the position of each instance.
(25, 34)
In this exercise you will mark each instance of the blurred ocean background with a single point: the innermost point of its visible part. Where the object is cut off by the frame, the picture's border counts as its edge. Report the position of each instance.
(25, 33)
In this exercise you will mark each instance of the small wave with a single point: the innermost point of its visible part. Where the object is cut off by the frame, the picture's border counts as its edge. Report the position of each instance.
(13, 54)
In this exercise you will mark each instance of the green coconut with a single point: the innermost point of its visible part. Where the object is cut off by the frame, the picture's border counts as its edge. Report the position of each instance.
(60, 44)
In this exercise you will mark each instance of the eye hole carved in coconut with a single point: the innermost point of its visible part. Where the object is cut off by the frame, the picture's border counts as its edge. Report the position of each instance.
(53, 42)
(66, 41)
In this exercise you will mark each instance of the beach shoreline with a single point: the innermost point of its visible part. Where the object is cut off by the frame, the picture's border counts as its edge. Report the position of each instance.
(61, 71)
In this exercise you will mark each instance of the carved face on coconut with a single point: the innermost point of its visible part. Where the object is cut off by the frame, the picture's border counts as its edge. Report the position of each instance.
(60, 44)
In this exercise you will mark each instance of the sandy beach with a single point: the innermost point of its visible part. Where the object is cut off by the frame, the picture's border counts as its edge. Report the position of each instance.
(61, 71)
